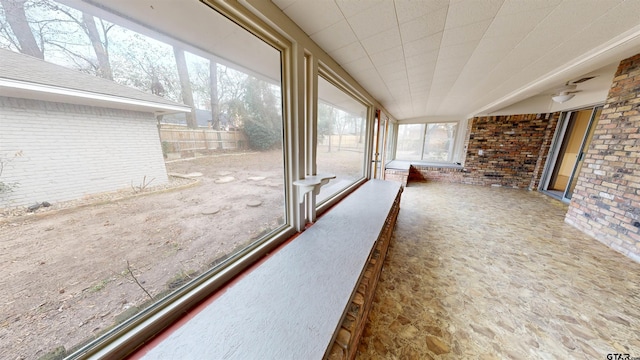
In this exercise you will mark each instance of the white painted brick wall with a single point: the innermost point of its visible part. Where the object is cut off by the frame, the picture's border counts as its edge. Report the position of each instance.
(69, 151)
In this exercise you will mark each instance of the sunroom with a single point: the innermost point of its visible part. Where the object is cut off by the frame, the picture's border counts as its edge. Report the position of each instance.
(316, 118)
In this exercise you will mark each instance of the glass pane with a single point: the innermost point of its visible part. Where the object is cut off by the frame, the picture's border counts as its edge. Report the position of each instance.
(341, 138)
(161, 162)
(568, 155)
(583, 150)
(409, 146)
(438, 142)
(390, 143)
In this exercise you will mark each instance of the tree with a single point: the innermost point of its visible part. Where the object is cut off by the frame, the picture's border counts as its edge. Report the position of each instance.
(341, 125)
(326, 113)
(64, 36)
(185, 86)
(215, 102)
(60, 29)
(263, 123)
(143, 63)
(100, 48)
(17, 20)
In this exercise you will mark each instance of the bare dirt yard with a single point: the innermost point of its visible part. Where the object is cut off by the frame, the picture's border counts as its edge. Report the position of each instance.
(65, 276)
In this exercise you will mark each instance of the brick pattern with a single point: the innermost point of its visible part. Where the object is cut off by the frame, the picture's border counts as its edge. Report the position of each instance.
(68, 151)
(514, 151)
(345, 345)
(400, 176)
(434, 173)
(606, 200)
(543, 153)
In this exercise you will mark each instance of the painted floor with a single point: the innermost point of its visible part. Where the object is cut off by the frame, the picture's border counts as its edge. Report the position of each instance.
(490, 273)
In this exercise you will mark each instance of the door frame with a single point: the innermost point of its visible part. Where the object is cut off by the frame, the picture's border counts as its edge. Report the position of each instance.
(554, 152)
(556, 145)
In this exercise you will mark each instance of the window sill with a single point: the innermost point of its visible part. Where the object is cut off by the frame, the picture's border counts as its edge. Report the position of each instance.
(291, 304)
(406, 164)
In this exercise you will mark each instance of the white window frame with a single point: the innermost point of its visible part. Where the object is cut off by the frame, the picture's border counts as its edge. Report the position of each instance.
(129, 335)
(300, 66)
(325, 72)
(456, 155)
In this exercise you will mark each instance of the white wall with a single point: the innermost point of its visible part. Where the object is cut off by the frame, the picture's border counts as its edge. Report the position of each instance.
(68, 151)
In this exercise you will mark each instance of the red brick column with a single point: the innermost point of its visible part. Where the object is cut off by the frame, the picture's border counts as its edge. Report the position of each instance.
(606, 200)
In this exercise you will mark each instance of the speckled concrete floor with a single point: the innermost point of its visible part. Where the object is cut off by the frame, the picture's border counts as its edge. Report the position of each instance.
(489, 273)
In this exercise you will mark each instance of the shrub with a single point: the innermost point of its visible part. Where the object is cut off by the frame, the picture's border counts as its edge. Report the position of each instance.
(262, 135)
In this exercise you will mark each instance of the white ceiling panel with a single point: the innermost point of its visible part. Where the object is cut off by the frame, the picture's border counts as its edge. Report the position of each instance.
(390, 73)
(430, 58)
(363, 64)
(464, 34)
(421, 77)
(493, 50)
(423, 45)
(408, 10)
(353, 7)
(457, 53)
(283, 4)
(468, 12)
(385, 40)
(335, 36)
(513, 7)
(374, 20)
(516, 25)
(424, 25)
(349, 53)
(325, 14)
(392, 56)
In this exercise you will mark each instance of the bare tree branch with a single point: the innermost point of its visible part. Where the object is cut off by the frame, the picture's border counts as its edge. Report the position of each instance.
(136, 280)
(17, 19)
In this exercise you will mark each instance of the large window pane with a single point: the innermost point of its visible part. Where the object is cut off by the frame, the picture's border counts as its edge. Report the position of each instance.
(341, 138)
(428, 142)
(438, 142)
(390, 142)
(137, 163)
(410, 137)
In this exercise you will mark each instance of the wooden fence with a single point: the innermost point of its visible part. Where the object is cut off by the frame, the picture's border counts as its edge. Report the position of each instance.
(192, 141)
(347, 142)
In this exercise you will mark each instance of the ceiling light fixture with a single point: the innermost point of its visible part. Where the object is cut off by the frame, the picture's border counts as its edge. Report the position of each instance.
(562, 97)
(565, 93)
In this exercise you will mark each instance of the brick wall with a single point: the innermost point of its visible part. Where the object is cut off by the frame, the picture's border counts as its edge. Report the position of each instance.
(514, 150)
(68, 151)
(606, 200)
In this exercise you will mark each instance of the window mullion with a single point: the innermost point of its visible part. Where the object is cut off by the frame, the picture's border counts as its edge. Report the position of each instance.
(424, 137)
(311, 125)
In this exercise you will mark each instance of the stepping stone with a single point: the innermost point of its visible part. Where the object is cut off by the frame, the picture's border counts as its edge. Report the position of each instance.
(254, 203)
(185, 176)
(256, 178)
(224, 179)
(211, 211)
(224, 173)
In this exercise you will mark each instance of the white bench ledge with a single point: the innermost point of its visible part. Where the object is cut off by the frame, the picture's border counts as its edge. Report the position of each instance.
(290, 306)
(398, 165)
(311, 183)
(406, 164)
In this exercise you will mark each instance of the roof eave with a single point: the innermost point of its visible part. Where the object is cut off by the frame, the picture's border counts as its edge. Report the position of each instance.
(29, 90)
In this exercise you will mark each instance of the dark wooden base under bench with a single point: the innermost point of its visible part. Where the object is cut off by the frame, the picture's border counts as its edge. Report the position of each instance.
(345, 345)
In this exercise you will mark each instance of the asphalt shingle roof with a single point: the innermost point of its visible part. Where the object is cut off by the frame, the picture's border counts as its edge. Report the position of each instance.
(21, 67)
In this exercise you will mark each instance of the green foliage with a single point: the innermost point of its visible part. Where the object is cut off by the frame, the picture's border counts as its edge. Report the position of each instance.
(263, 122)
(260, 135)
